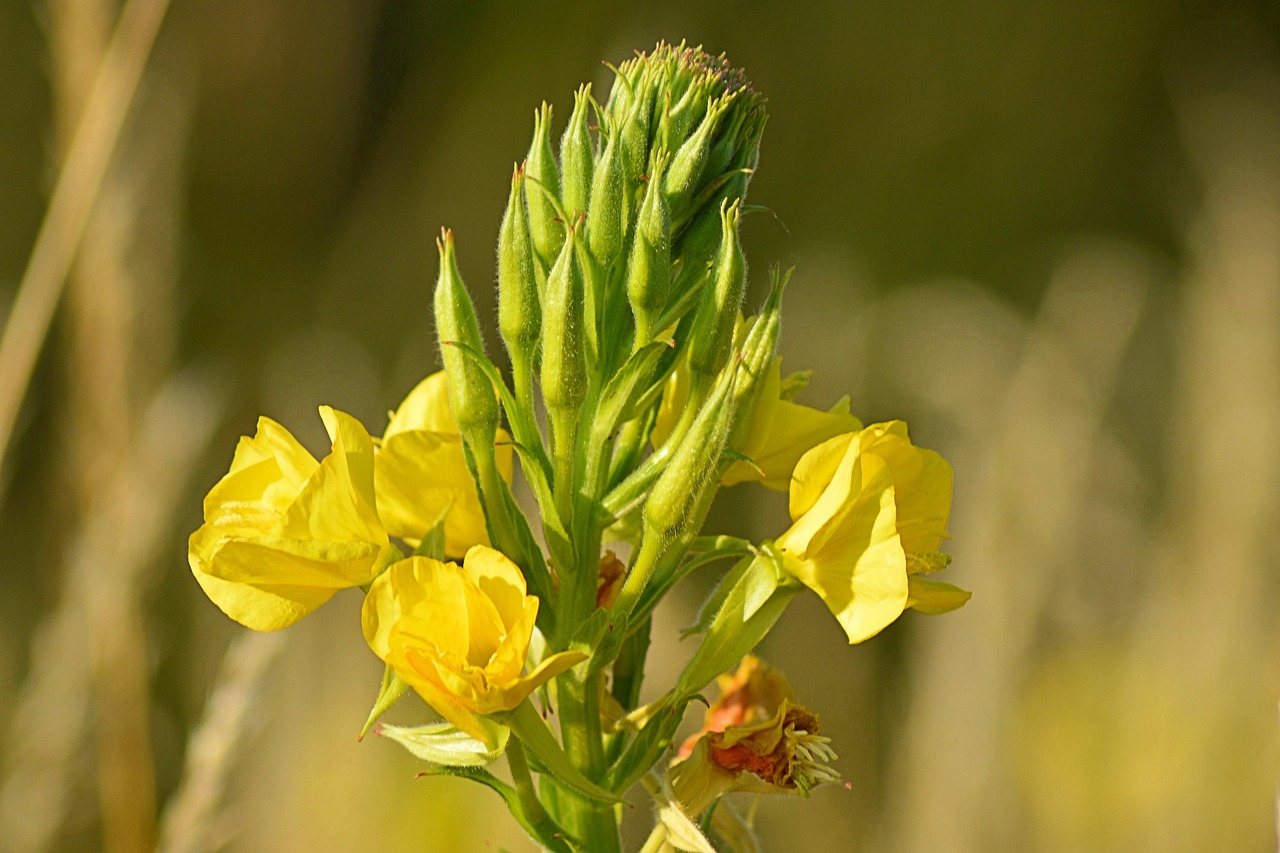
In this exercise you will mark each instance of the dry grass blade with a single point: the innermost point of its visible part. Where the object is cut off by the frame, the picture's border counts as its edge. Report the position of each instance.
(78, 642)
(72, 202)
(190, 821)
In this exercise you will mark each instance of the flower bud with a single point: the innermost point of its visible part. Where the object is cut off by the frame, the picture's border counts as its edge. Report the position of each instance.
(577, 156)
(540, 165)
(475, 406)
(607, 213)
(519, 311)
(635, 130)
(711, 338)
(564, 357)
(679, 491)
(649, 270)
(689, 164)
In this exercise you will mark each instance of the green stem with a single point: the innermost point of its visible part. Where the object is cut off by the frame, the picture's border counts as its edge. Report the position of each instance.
(591, 821)
(523, 781)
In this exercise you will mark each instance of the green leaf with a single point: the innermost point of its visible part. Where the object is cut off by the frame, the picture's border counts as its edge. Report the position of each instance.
(557, 538)
(442, 743)
(392, 690)
(740, 623)
(544, 831)
(537, 738)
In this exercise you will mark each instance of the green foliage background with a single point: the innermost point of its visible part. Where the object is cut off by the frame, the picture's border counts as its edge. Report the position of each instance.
(1047, 235)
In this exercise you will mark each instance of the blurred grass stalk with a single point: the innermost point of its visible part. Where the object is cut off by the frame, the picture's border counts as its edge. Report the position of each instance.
(1109, 687)
(131, 440)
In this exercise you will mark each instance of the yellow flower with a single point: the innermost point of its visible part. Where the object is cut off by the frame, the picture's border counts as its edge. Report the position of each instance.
(282, 532)
(421, 472)
(781, 431)
(870, 512)
(459, 634)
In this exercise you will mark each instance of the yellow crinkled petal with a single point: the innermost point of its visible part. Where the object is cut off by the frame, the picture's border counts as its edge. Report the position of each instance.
(338, 502)
(922, 480)
(263, 608)
(417, 477)
(418, 668)
(508, 661)
(273, 441)
(421, 471)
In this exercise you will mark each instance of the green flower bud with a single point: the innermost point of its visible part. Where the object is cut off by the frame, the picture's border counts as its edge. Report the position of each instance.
(577, 156)
(649, 269)
(711, 338)
(548, 235)
(519, 308)
(694, 467)
(608, 211)
(475, 406)
(564, 355)
(635, 130)
(687, 167)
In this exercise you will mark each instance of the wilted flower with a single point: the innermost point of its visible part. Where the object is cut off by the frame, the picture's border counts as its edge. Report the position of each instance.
(459, 635)
(752, 693)
(282, 532)
(757, 738)
(870, 512)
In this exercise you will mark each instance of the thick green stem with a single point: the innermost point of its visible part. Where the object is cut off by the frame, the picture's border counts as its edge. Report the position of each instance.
(593, 822)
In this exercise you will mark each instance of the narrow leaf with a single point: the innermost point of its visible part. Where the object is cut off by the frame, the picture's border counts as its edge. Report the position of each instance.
(442, 743)
(537, 738)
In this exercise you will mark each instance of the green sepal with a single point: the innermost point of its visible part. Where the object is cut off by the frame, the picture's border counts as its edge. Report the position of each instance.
(794, 383)
(432, 544)
(519, 420)
(627, 387)
(527, 724)
(392, 691)
(544, 832)
(444, 744)
(934, 597)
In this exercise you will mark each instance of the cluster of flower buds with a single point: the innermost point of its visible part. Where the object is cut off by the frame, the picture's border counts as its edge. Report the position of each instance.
(637, 389)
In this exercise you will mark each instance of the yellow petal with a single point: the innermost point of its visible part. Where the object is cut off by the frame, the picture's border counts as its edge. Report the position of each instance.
(815, 470)
(273, 441)
(417, 476)
(263, 608)
(292, 562)
(499, 579)
(505, 697)
(338, 502)
(782, 431)
(855, 561)
(425, 409)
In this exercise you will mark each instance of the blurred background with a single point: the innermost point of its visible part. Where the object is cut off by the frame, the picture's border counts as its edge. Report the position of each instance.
(1047, 235)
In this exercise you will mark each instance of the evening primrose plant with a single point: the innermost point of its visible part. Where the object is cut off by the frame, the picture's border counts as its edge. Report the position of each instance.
(637, 390)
